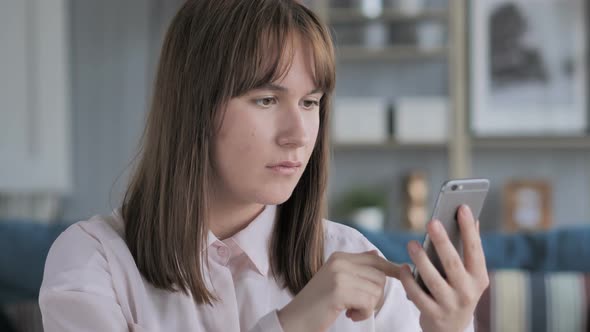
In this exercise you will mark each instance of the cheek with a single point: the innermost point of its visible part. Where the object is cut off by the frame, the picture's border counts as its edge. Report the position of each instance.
(237, 132)
(313, 129)
(237, 145)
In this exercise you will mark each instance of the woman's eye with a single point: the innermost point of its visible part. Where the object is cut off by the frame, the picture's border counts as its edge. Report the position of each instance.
(266, 101)
(311, 104)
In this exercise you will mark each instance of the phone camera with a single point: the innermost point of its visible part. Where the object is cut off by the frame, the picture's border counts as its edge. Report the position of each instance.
(454, 187)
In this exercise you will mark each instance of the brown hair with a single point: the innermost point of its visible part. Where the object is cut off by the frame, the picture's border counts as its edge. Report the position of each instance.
(215, 50)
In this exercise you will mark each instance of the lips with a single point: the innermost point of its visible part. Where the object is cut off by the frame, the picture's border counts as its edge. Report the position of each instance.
(285, 167)
(293, 164)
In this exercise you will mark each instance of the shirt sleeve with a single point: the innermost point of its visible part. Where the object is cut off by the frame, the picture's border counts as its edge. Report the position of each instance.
(77, 292)
(78, 311)
(268, 323)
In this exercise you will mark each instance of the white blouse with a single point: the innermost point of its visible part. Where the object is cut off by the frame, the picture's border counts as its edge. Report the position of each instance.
(91, 283)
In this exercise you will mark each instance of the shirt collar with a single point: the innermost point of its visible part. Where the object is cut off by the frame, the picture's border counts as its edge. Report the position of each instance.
(254, 240)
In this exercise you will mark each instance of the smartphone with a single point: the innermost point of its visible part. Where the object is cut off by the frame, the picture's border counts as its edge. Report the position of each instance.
(452, 195)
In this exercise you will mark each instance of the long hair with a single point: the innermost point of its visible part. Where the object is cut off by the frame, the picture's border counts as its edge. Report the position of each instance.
(215, 50)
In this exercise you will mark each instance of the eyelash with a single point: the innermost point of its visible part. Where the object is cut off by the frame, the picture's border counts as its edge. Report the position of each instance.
(259, 102)
(314, 103)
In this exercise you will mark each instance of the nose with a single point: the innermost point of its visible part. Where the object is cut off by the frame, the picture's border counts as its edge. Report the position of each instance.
(292, 132)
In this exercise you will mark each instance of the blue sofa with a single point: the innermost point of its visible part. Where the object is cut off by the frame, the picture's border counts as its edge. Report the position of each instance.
(561, 249)
(23, 250)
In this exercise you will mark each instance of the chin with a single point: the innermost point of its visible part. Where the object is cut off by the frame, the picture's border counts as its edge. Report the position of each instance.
(274, 192)
(275, 197)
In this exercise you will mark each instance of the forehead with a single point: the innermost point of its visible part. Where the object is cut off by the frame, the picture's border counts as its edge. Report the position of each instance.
(297, 64)
(295, 56)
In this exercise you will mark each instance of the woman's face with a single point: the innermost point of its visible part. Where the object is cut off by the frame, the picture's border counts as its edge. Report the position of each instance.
(267, 137)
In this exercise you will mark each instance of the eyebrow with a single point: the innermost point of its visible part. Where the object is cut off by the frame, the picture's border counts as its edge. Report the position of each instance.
(276, 87)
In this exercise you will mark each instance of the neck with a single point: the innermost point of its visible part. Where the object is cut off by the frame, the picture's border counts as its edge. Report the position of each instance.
(227, 219)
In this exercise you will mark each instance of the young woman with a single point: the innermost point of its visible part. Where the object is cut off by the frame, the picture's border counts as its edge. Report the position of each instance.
(221, 227)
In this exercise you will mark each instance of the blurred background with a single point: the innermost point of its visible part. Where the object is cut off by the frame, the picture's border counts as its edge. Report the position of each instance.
(427, 90)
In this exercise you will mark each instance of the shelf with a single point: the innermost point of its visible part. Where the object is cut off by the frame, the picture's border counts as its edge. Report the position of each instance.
(387, 146)
(532, 143)
(477, 143)
(392, 53)
(344, 15)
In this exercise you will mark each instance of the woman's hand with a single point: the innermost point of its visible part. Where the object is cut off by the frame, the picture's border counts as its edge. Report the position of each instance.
(351, 282)
(453, 301)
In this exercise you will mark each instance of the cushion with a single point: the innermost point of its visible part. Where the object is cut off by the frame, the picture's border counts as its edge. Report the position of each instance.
(525, 301)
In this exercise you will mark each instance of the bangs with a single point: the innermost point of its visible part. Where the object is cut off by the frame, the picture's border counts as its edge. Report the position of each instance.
(265, 55)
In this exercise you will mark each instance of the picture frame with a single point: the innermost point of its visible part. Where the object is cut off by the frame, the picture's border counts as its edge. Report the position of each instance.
(528, 68)
(527, 205)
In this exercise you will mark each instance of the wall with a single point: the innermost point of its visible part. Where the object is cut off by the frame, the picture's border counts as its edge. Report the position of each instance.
(114, 49)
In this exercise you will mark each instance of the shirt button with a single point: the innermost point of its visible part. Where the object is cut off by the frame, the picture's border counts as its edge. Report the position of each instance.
(222, 252)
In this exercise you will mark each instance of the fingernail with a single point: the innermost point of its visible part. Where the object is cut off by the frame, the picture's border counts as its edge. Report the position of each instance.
(408, 268)
(465, 210)
(413, 247)
(437, 225)
(402, 268)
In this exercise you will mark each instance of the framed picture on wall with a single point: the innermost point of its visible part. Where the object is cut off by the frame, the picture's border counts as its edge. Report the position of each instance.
(527, 205)
(528, 61)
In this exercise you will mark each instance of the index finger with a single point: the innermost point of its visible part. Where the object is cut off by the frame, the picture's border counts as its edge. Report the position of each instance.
(373, 259)
(473, 254)
(389, 268)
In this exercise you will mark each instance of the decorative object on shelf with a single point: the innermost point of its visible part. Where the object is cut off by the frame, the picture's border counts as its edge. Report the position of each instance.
(360, 120)
(430, 35)
(372, 8)
(528, 74)
(415, 196)
(376, 35)
(369, 8)
(421, 119)
(364, 207)
(390, 30)
(527, 205)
